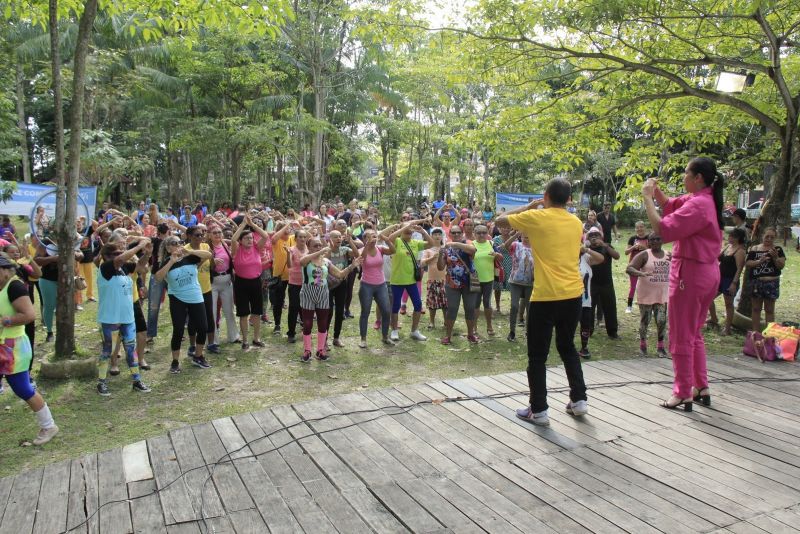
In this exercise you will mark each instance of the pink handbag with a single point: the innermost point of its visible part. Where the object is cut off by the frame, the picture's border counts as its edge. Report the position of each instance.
(758, 346)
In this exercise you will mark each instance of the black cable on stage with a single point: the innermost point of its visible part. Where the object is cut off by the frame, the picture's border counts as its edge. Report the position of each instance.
(384, 411)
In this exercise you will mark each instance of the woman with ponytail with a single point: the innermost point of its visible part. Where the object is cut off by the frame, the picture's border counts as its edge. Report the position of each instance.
(694, 223)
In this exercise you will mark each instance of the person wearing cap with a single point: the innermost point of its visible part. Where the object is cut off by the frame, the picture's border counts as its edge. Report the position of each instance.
(603, 295)
(651, 266)
(555, 237)
(16, 310)
(115, 310)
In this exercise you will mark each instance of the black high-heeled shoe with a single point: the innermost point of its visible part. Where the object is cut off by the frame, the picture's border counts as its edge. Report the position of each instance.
(705, 400)
(686, 403)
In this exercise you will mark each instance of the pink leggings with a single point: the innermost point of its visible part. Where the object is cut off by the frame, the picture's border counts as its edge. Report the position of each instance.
(692, 287)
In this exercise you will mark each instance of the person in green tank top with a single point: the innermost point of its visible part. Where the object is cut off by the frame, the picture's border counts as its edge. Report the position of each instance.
(16, 310)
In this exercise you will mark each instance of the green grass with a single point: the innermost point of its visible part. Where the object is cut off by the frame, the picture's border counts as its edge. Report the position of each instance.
(274, 376)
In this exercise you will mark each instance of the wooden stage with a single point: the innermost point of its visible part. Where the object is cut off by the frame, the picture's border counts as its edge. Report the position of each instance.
(471, 466)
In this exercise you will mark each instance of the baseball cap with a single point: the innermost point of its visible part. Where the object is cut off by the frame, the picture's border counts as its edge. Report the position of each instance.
(593, 231)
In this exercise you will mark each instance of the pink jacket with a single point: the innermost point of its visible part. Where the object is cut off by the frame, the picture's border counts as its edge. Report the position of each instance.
(691, 222)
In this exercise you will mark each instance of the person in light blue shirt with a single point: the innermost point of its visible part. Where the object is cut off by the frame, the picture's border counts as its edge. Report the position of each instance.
(178, 266)
(115, 310)
(188, 219)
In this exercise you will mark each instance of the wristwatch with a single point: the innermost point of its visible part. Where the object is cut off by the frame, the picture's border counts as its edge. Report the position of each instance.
(6, 321)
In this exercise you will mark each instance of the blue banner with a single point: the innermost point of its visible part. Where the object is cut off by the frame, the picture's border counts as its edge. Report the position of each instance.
(26, 195)
(508, 201)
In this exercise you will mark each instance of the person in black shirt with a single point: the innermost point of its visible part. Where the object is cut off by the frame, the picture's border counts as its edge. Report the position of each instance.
(608, 222)
(765, 261)
(156, 288)
(603, 295)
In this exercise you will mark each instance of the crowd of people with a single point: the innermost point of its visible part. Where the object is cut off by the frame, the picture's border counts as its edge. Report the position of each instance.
(228, 273)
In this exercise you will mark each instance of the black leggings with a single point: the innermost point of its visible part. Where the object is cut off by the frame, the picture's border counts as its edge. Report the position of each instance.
(277, 296)
(351, 282)
(208, 303)
(338, 296)
(179, 310)
(294, 308)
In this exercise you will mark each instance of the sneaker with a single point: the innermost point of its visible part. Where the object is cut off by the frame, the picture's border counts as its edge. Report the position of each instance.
(291, 339)
(402, 310)
(175, 367)
(628, 310)
(2, 389)
(431, 326)
(362, 344)
(213, 348)
(245, 346)
(643, 352)
(78, 308)
(662, 353)
(258, 343)
(416, 335)
(446, 341)
(49, 337)
(377, 325)
(585, 354)
(192, 351)
(45, 435)
(512, 337)
(348, 315)
(521, 322)
(322, 355)
(306, 357)
(338, 343)
(200, 362)
(388, 342)
(577, 408)
(538, 419)
(394, 336)
(150, 340)
(92, 299)
(265, 319)
(141, 387)
(102, 388)
(276, 331)
(472, 338)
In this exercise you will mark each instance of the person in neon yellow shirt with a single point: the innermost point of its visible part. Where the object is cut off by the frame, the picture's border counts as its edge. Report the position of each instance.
(404, 260)
(555, 237)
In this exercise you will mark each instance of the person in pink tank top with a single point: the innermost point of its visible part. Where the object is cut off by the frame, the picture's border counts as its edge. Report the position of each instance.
(373, 284)
(651, 267)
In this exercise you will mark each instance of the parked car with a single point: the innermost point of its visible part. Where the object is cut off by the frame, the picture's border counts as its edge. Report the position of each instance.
(795, 212)
(754, 210)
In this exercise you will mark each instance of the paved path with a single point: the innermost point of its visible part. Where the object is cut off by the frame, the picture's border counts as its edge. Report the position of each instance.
(356, 463)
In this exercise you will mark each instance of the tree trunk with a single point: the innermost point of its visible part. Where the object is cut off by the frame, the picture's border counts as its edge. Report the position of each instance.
(65, 225)
(318, 149)
(22, 124)
(236, 183)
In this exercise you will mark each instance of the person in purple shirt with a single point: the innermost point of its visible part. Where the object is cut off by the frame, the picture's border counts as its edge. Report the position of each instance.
(694, 223)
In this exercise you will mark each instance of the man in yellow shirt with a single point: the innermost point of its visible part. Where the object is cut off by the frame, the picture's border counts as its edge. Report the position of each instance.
(555, 237)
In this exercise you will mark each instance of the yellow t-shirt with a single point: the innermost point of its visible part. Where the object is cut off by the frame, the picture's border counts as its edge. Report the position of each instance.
(555, 236)
(203, 269)
(134, 278)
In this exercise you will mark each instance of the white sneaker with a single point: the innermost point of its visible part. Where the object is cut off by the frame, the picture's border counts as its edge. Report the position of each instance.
(628, 310)
(45, 435)
(417, 335)
(580, 407)
(538, 418)
(395, 335)
(362, 344)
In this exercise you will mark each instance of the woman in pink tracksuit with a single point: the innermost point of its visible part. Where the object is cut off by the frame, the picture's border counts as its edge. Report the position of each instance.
(694, 222)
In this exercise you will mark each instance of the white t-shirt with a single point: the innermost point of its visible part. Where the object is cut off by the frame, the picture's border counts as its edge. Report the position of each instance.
(586, 276)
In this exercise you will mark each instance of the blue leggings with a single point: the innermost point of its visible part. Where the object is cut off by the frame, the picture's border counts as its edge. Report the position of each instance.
(127, 332)
(413, 294)
(49, 291)
(21, 385)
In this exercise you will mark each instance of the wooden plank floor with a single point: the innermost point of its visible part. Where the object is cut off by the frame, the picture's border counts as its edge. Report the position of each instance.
(369, 462)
